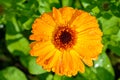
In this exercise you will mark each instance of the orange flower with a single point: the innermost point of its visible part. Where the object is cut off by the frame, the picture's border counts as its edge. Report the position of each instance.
(64, 39)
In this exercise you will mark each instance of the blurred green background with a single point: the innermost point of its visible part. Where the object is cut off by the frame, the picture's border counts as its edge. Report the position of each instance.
(16, 18)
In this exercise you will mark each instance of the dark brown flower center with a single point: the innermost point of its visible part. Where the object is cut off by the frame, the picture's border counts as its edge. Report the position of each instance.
(64, 38)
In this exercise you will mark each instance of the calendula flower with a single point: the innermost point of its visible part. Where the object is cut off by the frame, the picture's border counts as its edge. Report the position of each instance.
(65, 39)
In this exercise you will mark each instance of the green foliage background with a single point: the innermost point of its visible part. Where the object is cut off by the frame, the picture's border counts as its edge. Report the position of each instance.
(16, 18)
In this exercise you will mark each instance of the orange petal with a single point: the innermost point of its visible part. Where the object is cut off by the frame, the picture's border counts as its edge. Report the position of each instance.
(58, 67)
(67, 13)
(88, 61)
(47, 18)
(32, 44)
(90, 34)
(57, 17)
(84, 19)
(77, 62)
(41, 49)
(87, 26)
(88, 48)
(40, 37)
(66, 63)
(76, 14)
(45, 60)
(40, 27)
(95, 57)
(80, 17)
(54, 59)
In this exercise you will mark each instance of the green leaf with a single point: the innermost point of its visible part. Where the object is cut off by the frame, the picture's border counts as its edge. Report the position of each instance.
(67, 2)
(111, 30)
(2, 76)
(44, 6)
(44, 9)
(29, 62)
(25, 60)
(110, 26)
(103, 66)
(95, 10)
(27, 24)
(115, 9)
(107, 15)
(57, 77)
(90, 74)
(54, 3)
(115, 49)
(77, 4)
(77, 77)
(6, 3)
(102, 69)
(45, 76)
(104, 62)
(49, 77)
(34, 68)
(47, 5)
(17, 44)
(12, 73)
(104, 74)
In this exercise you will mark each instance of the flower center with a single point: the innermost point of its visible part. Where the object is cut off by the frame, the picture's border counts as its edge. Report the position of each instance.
(64, 38)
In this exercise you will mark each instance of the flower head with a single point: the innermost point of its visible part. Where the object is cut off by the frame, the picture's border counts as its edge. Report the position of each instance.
(65, 39)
